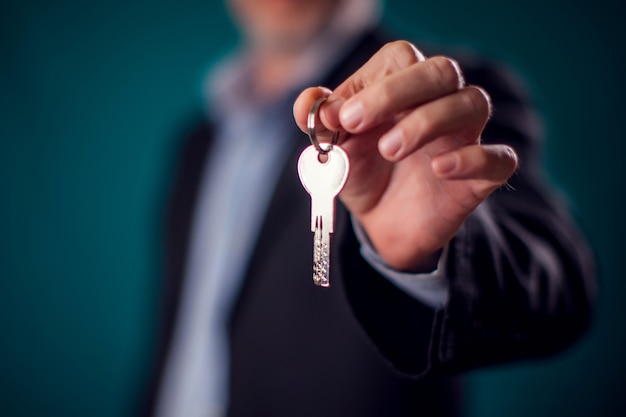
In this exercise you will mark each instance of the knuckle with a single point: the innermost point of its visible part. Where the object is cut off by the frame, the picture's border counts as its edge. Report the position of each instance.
(447, 73)
(354, 85)
(501, 161)
(487, 98)
(510, 155)
(478, 101)
(404, 53)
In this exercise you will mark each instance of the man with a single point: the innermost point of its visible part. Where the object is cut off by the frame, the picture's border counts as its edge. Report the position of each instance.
(432, 272)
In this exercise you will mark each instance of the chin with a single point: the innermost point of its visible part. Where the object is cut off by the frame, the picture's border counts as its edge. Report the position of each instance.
(282, 24)
(283, 37)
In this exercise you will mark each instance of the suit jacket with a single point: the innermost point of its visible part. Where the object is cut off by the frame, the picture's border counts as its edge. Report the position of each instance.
(520, 280)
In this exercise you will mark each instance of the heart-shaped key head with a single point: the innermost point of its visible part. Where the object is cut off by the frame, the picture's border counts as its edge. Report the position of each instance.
(323, 175)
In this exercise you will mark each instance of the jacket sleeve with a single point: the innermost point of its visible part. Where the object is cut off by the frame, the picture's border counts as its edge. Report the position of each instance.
(521, 277)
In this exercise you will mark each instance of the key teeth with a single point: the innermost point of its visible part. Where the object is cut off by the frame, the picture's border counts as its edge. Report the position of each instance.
(323, 283)
(321, 254)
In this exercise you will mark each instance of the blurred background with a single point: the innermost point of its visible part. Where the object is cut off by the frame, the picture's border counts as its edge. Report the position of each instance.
(93, 96)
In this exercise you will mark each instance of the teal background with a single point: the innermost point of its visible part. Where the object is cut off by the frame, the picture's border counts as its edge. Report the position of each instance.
(92, 98)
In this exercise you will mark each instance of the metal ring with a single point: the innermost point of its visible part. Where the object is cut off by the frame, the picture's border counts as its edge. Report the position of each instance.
(310, 123)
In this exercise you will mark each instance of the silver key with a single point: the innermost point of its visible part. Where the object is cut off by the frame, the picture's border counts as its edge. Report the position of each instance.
(323, 181)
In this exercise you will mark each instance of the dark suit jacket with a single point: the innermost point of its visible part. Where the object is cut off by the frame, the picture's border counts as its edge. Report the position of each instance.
(520, 287)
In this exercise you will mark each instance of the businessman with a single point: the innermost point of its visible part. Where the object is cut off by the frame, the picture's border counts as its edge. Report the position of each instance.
(449, 252)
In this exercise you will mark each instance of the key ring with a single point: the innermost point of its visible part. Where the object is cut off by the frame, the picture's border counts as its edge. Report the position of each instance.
(310, 123)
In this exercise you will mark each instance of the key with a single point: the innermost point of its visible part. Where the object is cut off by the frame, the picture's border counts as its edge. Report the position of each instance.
(323, 175)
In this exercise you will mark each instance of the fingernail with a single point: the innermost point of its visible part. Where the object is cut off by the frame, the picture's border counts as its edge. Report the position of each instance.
(390, 144)
(351, 115)
(445, 164)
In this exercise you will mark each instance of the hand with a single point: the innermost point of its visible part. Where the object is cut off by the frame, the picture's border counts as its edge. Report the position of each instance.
(412, 130)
